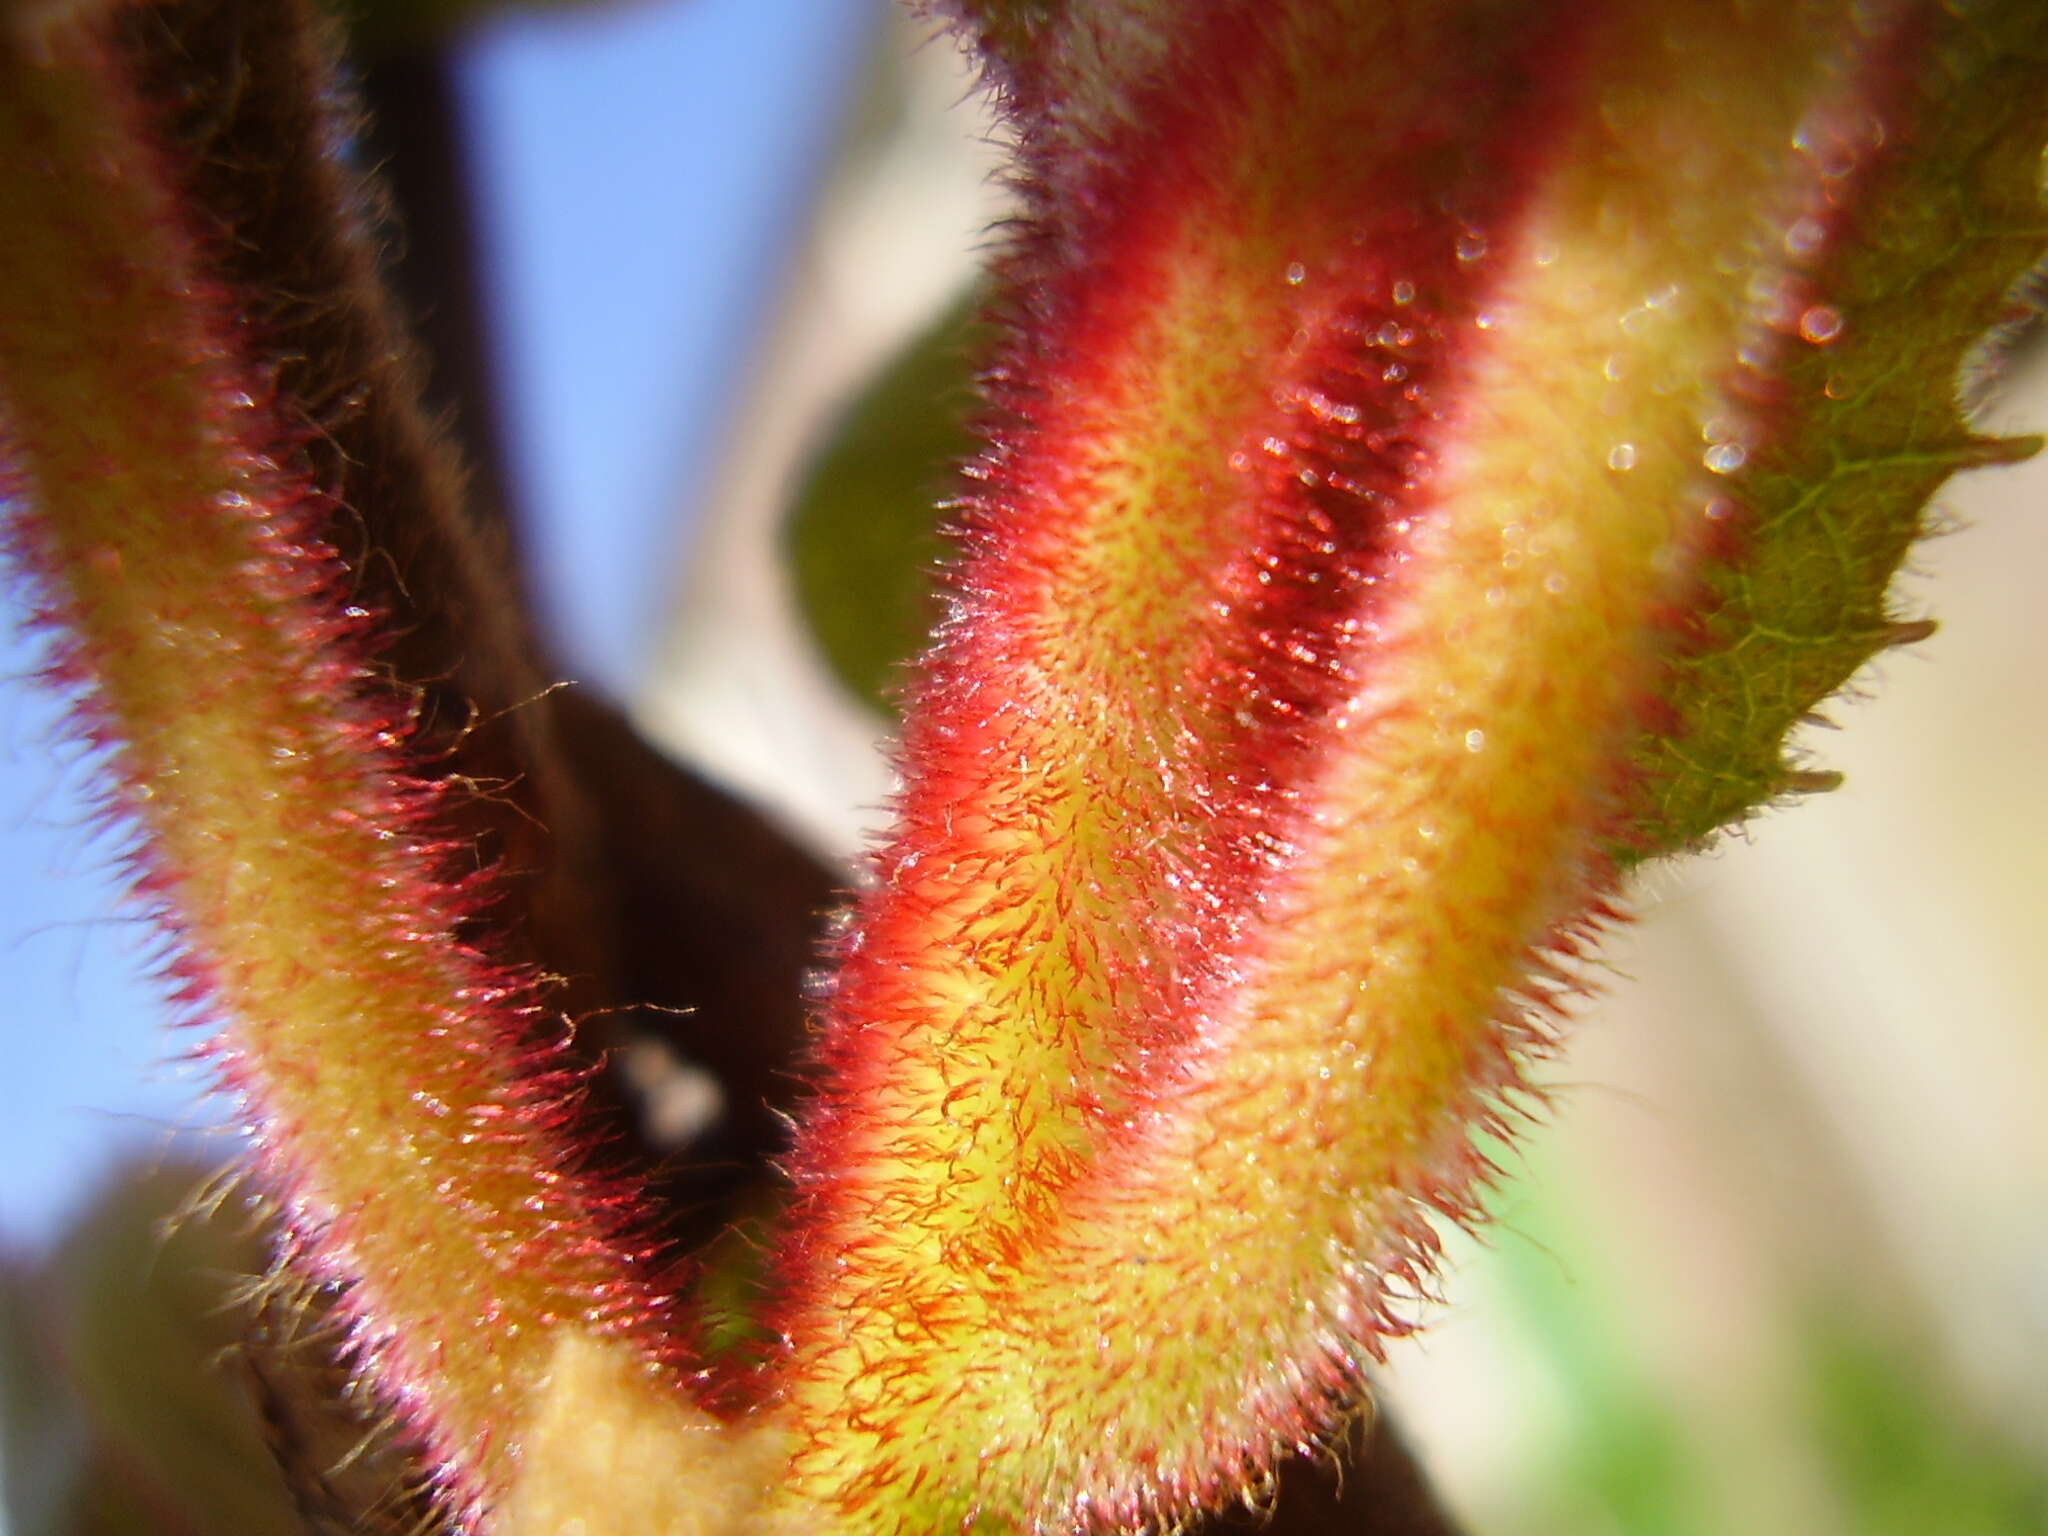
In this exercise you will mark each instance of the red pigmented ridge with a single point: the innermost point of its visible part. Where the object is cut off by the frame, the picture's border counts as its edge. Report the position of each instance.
(1182, 668)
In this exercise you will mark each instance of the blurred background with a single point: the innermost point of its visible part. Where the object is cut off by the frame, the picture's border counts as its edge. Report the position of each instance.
(1777, 1259)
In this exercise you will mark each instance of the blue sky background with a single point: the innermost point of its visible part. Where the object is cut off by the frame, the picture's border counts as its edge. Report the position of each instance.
(643, 169)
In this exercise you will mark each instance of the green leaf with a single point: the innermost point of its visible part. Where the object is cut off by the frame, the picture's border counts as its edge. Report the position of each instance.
(1858, 424)
(863, 536)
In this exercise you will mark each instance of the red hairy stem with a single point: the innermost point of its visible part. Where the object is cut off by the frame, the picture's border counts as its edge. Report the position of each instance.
(574, 811)
(1358, 466)
(409, 1095)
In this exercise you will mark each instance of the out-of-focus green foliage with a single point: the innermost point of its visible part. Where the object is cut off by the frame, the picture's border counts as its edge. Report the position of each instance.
(1868, 1427)
(1905, 1458)
(154, 1388)
(130, 1410)
(863, 535)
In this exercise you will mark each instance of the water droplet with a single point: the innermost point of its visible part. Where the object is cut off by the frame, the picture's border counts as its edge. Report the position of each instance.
(1485, 320)
(1820, 325)
(1472, 246)
(1297, 274)
(1766, 288)
(1615, 366)
(1404, 292)
(1805, 237)
(1725, 458)
(1389, 335)
(1544, 255)
(1475, 741)
(1555, 583)
(1622, 456)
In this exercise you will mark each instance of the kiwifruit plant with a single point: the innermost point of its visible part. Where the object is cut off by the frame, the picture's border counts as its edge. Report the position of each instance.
(1432, 453)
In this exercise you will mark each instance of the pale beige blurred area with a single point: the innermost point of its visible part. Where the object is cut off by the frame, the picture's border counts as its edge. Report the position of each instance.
(899, 231)
(1819, 1080)
(1813, 1097)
